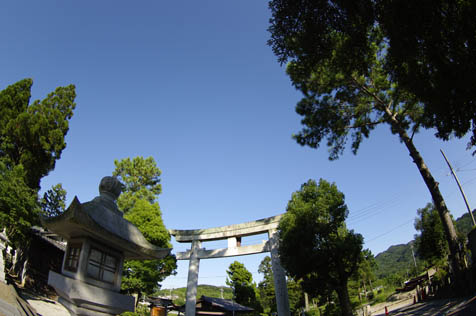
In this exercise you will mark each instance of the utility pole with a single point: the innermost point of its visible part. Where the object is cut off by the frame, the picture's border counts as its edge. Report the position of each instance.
(413, 254)
(460, 188)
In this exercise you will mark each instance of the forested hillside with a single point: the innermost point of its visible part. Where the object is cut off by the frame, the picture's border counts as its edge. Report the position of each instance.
(398, 258)
(178, 295)
(395, 259)
(464, 223)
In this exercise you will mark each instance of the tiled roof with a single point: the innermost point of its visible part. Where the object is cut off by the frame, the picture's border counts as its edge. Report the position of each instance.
(227, 305)
(49, 237)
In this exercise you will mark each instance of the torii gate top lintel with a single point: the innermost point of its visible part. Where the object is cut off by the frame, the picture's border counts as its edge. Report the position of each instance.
(218, 233)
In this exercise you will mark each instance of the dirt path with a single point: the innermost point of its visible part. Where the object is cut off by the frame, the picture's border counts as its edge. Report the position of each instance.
(379, 309)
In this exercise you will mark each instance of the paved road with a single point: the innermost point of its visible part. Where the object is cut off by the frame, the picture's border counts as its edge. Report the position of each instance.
(456, 307)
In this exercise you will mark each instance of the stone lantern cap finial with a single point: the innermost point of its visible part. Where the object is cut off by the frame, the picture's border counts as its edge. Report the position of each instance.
(111, 187)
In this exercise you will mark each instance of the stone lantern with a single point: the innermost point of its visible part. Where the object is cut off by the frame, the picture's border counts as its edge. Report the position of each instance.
(98, 241)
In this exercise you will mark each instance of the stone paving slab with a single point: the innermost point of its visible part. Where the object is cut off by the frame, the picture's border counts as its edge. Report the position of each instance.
(11, 304)
(45, 306)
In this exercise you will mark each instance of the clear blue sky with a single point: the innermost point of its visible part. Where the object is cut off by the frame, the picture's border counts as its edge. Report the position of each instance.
(194, 85)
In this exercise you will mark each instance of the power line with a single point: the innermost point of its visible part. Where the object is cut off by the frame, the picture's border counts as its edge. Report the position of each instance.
(389, 231)
(462, 170)
(375, 209)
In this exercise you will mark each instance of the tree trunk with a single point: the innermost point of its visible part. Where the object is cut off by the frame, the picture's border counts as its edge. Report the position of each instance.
(432, 185)
(18, 264)
(344, 300)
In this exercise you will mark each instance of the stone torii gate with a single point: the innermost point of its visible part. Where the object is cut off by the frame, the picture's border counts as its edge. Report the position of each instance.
(233, 233)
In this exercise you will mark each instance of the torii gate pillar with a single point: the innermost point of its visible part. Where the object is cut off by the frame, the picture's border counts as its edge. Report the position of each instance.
(280, 286)
(192, 280)
(233, 233)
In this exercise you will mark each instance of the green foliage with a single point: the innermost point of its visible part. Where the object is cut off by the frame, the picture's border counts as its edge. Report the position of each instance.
(141, 179)
(214, 291)
(295, 295)
(32, 135)
(315, 245)
(382, 296)
(140, 206)
(338, 105)
(441, 275)
(394, 280)
(396, 259)
(430, 243)
(365, 272)
(347, 92)
(31, 140)
(464, 224)
(337, 56)
(18, 205)
(304, 31)
(266, 286)
(203, 289)
(396, 262)
(432, 54)
(141, 310)
(241, 281)
(362, 281)
(147, 218)
(53, 202)
(430, 48)
(144, 276)
(267, 296)
(313, 311)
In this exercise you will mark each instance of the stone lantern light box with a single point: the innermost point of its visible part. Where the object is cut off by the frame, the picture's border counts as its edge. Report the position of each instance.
(98, 241)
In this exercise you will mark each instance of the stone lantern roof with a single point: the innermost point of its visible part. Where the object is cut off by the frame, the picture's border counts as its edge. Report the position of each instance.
(101, 220)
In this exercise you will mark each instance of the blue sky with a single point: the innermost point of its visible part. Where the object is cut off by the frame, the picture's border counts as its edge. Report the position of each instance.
(194, 85)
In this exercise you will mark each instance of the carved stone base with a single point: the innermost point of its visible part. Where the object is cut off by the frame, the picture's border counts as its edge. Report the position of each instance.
(83, 299)
(3, 245)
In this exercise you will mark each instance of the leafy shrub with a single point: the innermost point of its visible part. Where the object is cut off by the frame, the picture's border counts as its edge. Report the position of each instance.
(313, 311)
(141, 310)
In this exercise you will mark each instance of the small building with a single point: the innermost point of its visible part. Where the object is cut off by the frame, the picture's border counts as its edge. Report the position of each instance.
(213, 306)
(159, 306)
(99, 239)
(45, 253)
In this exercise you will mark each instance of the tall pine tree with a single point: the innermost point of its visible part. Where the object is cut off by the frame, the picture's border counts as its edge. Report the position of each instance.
(32, 138)
(141, 179)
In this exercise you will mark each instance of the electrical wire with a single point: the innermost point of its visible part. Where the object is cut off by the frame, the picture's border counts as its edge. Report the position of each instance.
(389, 231)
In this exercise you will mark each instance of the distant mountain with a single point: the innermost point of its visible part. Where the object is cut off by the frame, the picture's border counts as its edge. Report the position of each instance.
(398, 258)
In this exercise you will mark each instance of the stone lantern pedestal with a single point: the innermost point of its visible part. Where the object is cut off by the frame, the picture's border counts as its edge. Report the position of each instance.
(99, 239)
(3, 245)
